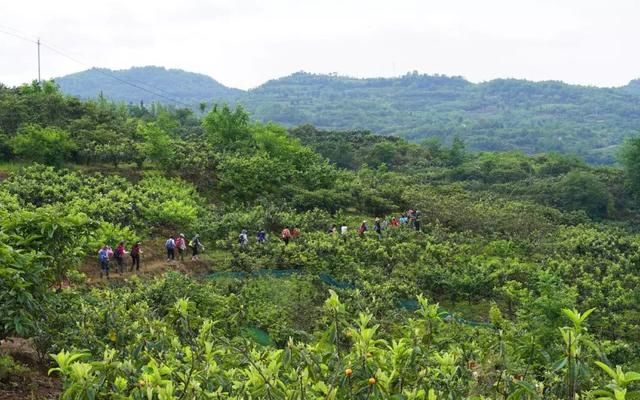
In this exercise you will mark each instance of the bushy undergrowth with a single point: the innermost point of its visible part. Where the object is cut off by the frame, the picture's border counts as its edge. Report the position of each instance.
(512, 245)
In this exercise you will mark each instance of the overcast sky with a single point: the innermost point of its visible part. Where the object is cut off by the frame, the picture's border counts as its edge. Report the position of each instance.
(243, 43)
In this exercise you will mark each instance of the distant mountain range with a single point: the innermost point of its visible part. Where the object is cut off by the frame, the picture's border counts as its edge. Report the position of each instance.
(503, 114)
(169, 84)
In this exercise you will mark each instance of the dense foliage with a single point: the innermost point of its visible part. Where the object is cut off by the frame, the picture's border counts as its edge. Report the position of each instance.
(522, 282)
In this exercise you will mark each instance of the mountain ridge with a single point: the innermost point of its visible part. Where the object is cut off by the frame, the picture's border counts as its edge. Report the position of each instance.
(497, 115)
(116, 84)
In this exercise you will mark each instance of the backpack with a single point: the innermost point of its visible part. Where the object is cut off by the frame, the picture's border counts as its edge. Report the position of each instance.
(103, 255)
(170, 244)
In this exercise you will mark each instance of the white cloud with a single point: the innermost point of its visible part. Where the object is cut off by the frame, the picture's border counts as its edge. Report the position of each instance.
(243, 43)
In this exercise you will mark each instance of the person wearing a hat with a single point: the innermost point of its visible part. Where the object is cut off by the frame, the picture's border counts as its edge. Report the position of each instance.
(363, 228)
(181, 245)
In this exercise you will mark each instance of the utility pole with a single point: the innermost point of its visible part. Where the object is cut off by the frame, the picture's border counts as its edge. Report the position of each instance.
(39, 81)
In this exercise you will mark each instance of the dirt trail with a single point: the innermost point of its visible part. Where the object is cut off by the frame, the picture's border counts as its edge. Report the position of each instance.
(147, 269)
(34, 383)
(152, 263)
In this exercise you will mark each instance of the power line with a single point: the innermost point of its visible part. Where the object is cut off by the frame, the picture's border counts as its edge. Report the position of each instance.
(130, 81)
(100, 71)
(18, 36)
(18, 31)
(39, 80)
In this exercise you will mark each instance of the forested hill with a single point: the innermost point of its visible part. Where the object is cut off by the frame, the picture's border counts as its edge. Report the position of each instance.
(501, 114)
(633, 86)
(176, 84)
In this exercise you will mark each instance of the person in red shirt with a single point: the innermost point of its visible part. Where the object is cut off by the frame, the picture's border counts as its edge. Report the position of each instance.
(181, 245)
(286, 235)
(119, 256)
(363, 228)
(394, 222)
(135, 257)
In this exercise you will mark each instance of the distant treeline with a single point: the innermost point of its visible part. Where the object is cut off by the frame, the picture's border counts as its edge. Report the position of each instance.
(503, 114)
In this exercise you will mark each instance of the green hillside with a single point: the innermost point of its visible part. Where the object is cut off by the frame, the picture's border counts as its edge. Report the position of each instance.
(503, 114)
(497, 115)
(176, 84)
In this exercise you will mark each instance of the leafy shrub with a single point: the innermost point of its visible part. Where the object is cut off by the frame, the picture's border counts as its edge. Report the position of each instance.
(107, 233)
(10, 368)
(44, 145)
(23, 288)
(166, 203)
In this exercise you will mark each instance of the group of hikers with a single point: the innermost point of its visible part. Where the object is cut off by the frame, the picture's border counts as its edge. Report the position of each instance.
(286, 235)
(106, 254)
(180, 243)
(411, 218)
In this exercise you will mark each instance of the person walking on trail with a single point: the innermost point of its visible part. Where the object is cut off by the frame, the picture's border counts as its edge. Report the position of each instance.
(363, 228)
(119, 256)
(181, 245)
(344, 229)
(196, 246)
(404, 219)
(416, 220)
(377, 228)
(135, 257)
(170, 245)
(261, 237)
(394, 221)
(103, 258)
(295, 233)
(243, 238)
(286, 235)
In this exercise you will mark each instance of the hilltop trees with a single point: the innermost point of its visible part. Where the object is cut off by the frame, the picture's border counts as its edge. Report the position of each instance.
(226, 128)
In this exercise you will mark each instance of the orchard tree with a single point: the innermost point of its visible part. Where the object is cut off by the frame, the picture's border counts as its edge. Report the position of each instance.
(583, 191)
(55, 233)
(22, 289)
(457, 154)
(5, 147)
(158, 146)
(228, 129)
(630, 157)
(48, 145)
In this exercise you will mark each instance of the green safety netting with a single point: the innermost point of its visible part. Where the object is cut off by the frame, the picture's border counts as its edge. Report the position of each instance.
(277, 273)
(258, 335)
(331, 281)
(262, 337)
